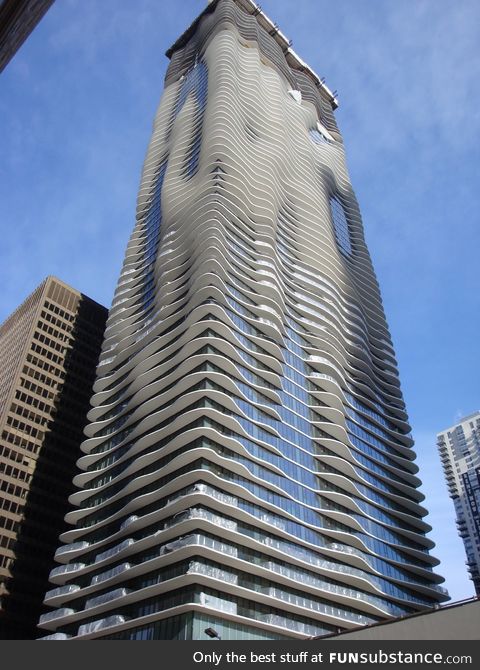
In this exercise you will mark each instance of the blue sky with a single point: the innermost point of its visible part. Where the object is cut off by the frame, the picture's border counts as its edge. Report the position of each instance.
(76, 110)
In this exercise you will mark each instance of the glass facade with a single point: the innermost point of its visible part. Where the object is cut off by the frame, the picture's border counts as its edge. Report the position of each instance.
(248, 464)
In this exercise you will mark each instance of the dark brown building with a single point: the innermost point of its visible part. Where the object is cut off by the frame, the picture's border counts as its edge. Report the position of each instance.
(17, 20)
(49, 349)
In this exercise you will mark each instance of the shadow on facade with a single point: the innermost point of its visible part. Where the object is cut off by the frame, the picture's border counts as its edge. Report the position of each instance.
(51, 484)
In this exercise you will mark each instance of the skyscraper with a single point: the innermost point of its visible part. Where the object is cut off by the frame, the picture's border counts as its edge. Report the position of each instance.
(17, 20)
(459, 449)
(49, 349)
(248, 466)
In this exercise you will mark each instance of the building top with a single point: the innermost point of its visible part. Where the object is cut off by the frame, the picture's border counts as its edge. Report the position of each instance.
(473, 415)
(292, 58)
(48, 280)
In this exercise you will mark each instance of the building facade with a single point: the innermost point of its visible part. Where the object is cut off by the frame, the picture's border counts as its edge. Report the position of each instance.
(248, 464)
(49, 349)
(17, 20)
(459, 449)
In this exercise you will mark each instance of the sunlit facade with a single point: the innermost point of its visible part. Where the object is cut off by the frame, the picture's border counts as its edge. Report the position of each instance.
(248, 464)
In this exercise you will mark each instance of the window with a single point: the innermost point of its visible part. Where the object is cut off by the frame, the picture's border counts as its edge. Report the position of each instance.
(195, 82)
(340, 226)
(318, 137)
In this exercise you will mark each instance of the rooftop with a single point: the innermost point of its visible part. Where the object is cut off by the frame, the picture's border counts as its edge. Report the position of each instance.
(292, 58)
(473, 415)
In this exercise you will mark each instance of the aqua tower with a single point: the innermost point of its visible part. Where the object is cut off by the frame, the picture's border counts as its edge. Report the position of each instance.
(248, 465)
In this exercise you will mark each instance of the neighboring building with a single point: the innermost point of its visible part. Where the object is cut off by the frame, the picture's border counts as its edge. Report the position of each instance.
(459, 448)
(249, 465)
(17, 20)
(49, 349)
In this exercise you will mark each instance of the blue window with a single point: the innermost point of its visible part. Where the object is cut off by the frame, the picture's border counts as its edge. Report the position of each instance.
(318, 137)
(195, 82)
(340, 226)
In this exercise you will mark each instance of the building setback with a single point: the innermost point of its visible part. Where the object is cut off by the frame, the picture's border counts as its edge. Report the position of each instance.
(49, 349)
(249, 466)
(459, 449)
(17, 20)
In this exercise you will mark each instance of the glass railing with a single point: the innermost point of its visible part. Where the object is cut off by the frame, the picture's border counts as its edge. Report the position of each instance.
(56, 614)
(108, 574)
(61, 591)
(106, 597)
(66, 569)
(114, 550)
(101, 624)
(74, 546)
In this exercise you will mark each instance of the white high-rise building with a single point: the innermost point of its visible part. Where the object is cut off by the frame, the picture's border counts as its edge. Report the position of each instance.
(459, 448)
(249, 465)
